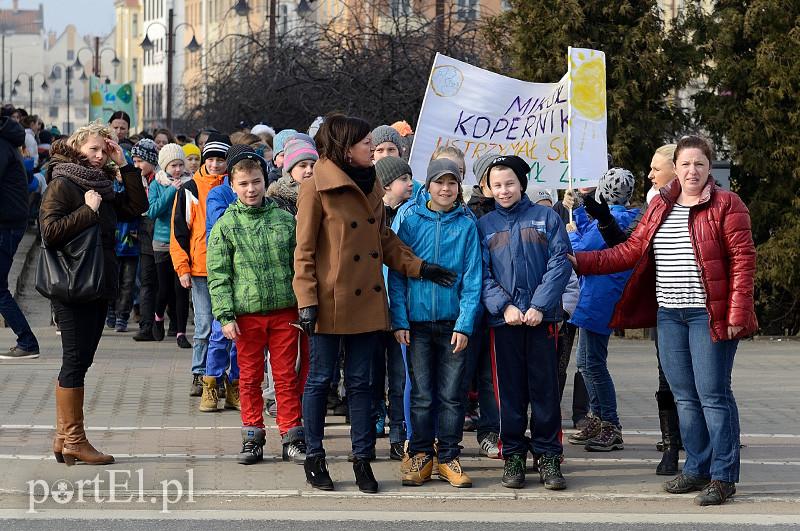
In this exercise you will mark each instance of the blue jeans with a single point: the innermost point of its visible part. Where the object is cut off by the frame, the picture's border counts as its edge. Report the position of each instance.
(699, 373)
(389, 362)
(433, 365)
(479, 366)
(13, 316)
(221, 354)
(592, 360)
(202, 323)
(360, 350)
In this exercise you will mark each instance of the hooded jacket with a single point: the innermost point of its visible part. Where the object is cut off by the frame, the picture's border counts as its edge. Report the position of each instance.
(449, 239)
(719, 226)
(161, 198)
(598, 293)
(13, 178)
(187, 244)
(284, 193)
(524, 260)
(217, 203)
(250, 261)
(64, 213)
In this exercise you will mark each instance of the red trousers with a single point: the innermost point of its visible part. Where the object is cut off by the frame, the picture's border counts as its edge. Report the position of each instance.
(271, 331)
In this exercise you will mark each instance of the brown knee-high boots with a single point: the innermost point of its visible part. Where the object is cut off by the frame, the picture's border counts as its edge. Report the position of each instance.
(58, 440)
(69, 406)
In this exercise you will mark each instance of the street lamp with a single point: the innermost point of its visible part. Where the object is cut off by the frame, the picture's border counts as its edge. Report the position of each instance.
(31, 77)
(68, 78)
(97, 53)
(243, 9)
(171, 30)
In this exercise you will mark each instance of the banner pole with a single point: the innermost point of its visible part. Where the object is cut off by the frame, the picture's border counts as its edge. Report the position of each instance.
(569, 125)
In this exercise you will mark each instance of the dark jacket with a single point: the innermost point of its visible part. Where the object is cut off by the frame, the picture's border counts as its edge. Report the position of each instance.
(479, 204)
(13, 178)
(64, 213)
(719, 226)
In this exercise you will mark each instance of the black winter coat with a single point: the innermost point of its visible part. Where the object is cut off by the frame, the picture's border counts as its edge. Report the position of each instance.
(13, 178)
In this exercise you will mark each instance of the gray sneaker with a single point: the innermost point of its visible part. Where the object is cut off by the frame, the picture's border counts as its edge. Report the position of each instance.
(16, 353)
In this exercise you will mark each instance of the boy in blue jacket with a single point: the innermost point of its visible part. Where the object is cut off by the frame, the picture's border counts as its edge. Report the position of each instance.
(435, 322)
(599, 295)
(525, 272)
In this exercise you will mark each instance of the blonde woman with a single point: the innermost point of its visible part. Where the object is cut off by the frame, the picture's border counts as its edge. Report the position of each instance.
(79, 195)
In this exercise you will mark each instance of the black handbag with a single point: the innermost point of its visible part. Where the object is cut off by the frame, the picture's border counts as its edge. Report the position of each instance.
(74, 273)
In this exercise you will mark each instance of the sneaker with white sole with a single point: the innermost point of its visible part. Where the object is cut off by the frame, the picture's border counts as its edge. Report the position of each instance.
(16, 353)
(490, 446)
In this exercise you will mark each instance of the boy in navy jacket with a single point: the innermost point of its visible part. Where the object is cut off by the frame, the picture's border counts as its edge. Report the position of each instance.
(435, 322)
(525, 272)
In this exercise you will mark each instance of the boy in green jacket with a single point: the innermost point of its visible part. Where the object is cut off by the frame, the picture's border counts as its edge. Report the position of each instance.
(250, 271)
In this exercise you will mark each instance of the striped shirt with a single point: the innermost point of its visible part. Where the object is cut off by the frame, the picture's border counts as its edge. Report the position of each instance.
(678, 282)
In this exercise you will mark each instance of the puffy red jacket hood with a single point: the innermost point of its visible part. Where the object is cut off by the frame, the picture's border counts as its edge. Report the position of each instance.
(719, 226)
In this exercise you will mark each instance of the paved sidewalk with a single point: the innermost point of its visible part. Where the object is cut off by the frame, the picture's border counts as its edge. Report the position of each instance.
(138, 409)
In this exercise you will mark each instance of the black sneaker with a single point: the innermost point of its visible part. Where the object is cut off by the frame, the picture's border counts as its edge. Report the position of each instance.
(158, 330)
(684, 483)
(396, 451)
(253, 440)
(144, 334)
(365, 479)
(16, 353)
(608, 439)
(715, 493)
(317, 473)
(183, 342)
(550, 472)
(295, 452)
(514, 472)
(352, 459)
(197, 385)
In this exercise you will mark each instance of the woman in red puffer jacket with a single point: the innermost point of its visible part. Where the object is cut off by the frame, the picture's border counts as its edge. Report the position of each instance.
(694, 261)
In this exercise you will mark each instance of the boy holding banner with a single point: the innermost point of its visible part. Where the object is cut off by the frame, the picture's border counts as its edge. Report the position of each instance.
(525, 273)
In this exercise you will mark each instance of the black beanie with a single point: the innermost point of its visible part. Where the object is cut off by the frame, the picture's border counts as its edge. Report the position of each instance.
(240, 152)
(517, 164)
(217, 145)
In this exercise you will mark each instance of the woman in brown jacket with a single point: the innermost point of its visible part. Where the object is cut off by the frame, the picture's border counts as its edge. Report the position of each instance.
(342, 244)
(78, 196)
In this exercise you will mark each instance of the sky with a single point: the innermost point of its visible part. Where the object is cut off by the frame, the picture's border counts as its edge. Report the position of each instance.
(95, 17)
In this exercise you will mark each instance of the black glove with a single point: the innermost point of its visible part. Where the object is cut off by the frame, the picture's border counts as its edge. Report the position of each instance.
(598, 211)
(434, 273)
(307, 320)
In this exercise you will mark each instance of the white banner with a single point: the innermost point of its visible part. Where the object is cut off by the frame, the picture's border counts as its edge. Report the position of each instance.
(587, 111)
(483, 112)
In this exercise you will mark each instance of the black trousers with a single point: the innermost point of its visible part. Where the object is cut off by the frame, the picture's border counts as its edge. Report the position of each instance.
(148, 286)
(127, 283)
(81, 328)
(171, 297)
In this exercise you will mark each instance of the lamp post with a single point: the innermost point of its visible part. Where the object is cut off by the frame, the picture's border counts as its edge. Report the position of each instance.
(243, 9)
(97, 53)
(171, 29)
(31, 77)
(68, 81)
(4, 30)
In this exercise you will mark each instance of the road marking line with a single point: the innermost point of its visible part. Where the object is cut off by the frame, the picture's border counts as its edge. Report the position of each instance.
(405, 516)
(335, 427)
(335, 458)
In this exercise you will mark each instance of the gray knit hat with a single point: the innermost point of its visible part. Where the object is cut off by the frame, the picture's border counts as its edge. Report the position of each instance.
(539, 194)
(441, 167)
(389, 169)
(387, 133)
(616, 186)
(480, 166)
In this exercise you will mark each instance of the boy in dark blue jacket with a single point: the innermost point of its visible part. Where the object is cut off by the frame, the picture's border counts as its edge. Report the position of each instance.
(435, 322)
(525, 272)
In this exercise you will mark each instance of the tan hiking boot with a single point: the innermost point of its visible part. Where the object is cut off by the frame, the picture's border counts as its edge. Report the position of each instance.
(232, 395)
(420, 470)
(405, 464)
(452, 473)
(210, 399)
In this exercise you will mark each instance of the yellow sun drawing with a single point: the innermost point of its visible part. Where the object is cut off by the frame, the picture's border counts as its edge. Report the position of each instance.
(589, 87)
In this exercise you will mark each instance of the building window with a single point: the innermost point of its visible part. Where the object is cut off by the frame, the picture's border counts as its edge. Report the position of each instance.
(467, 9)
(57, 95)
(70, 55)
(283, 18)
(134, 69)
(53, 111)
(400, 8)
(80, 113)
(57, 72)
(135, 24)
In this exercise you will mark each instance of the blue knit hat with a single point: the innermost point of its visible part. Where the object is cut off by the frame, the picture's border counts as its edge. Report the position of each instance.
(279, 141)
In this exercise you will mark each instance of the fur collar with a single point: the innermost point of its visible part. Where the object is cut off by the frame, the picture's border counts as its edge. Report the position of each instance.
(284, 188)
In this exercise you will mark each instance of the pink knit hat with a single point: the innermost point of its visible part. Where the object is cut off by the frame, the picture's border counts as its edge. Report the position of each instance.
(295, 151)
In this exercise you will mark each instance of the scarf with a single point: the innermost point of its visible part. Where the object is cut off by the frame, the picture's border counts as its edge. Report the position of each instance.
(363, 177)
(86, 178)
